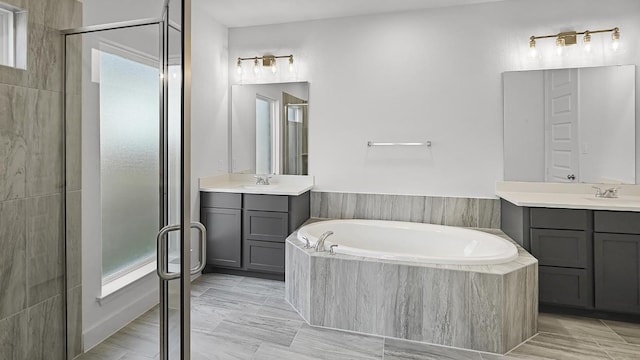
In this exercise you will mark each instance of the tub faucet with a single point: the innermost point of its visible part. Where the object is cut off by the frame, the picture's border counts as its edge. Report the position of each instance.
(320, 243)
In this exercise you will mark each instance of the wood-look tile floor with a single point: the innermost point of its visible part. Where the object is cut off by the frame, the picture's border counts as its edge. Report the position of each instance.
(238, 318)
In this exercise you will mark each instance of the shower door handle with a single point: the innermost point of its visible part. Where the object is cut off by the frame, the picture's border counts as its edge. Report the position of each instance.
(162, 256)
(203, 247)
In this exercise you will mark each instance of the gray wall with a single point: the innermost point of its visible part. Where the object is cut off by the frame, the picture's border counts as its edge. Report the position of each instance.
(31, 215)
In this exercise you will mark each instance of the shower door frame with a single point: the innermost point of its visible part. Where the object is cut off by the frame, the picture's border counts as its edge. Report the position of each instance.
(185, 163)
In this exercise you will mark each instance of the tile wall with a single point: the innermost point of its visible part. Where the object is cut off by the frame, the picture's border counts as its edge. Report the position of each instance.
(32, 322)
(464, 212)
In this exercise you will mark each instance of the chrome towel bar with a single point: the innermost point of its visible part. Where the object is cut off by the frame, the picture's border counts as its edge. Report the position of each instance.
(372, 143)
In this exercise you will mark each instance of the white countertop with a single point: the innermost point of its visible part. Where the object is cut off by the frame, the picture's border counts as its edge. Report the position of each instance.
(246, 183)
(568, 196)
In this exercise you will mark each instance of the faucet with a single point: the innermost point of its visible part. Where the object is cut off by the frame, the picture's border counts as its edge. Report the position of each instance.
(262, 179)
(320, 243)
(610, 193)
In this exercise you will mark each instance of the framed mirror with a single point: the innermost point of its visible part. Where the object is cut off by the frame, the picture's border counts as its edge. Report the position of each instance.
(270, 128)
(570, 125)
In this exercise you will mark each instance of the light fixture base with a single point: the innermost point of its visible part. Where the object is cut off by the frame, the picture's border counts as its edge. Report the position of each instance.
(569, 37)
(268, 60)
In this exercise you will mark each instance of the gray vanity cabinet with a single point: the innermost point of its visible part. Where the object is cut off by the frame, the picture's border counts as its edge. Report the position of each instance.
(561, 240)
(587, 259)
(248, 231)
(617, 258)
(221, 214)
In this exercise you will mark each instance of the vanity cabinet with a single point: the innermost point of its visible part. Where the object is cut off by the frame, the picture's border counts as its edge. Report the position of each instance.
(248, 231)
(617, 254)
(588, 259)
(561, 240)
(221, 214)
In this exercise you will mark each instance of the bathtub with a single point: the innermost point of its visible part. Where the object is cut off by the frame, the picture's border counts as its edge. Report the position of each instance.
(403, 241)
(429, 283)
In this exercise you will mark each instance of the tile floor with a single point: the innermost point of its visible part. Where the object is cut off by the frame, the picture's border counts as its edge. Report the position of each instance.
(236, 317)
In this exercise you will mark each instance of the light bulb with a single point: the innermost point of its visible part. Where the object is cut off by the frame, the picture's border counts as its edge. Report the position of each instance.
(274, 67)
(615, 37)
(239, 67)
(532, 47)
(559, 46)
(292, 68)
(587, 42)
(256, 66)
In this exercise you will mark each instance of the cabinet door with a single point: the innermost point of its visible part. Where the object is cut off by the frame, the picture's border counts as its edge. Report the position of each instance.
(224, 236)
(264, 256)
(617, 272)
(563, 286)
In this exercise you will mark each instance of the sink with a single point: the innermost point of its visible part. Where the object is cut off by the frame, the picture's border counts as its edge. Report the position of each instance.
(260, 187)
(615, 201)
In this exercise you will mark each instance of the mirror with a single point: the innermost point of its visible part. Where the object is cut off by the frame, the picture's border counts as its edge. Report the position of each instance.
(270, 128)
(570, 125)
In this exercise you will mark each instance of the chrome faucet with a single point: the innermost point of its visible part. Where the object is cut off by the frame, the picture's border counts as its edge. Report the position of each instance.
(320, 243)
(262, 179)
(610, 193)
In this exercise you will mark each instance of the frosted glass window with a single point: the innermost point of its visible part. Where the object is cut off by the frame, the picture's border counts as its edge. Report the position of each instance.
(129, 162)
(13, 36)
(264, 120)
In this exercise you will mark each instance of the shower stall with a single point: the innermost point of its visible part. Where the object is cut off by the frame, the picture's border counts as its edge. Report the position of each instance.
(127, 177)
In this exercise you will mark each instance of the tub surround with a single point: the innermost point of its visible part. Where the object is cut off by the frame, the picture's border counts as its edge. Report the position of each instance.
(293, 185)
(568, 196)
(489, 308)
(454, 211)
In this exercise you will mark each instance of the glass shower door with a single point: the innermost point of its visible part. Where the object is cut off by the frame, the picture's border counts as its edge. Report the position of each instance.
(125, 180)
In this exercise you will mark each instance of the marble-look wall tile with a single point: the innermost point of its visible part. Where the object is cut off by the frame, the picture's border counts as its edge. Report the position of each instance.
(369, 277)
(45, 270)
(44, 58)
(485, 302)
(74, 239)
(56, 14)
(13, 337)
(446, 314)
(400, 301)
(466, 212)
(46, 330)
(13, 271)
(489, 213)
(340, 294)
(74, 143)
(15, 108)
(434, 210)
(297, 291)
(461, 212)
(44, 144)
(74, 322)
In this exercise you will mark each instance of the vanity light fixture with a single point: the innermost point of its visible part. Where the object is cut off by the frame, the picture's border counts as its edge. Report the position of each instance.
(269, 61)
(569, 38)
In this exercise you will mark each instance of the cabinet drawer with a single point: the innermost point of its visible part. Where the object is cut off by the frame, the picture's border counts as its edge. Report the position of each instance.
(570, 219)
(221, 200)
(562, 286)
(267, 226)
(266, 202)
(566, 248)
(620, 222)
(264, 256)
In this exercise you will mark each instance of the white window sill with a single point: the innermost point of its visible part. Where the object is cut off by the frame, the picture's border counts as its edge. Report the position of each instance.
(122, 282)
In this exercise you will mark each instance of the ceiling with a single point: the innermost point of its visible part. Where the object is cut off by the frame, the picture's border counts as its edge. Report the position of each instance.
(241, 13)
